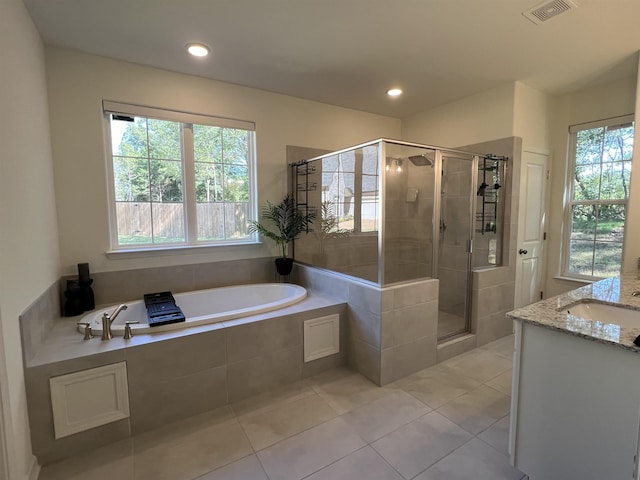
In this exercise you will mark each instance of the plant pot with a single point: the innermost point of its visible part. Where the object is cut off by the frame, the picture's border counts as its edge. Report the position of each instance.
(284, 266)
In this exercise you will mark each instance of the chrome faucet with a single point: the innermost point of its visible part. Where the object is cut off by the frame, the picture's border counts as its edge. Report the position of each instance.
(107, 320)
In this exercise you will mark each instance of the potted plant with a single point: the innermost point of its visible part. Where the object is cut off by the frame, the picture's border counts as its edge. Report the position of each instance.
(289, 223)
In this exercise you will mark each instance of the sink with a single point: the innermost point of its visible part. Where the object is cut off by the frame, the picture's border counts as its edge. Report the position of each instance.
(625, 317)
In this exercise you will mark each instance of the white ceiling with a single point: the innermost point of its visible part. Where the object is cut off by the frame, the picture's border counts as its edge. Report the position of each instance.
(349, 52)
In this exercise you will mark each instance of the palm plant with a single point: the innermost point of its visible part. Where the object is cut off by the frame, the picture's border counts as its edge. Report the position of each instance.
(289, 222)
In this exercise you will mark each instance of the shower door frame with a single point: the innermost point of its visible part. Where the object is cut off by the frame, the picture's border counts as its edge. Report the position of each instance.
(474, 161)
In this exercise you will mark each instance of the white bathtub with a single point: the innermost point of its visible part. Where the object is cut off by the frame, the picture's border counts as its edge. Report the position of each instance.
(205, 306)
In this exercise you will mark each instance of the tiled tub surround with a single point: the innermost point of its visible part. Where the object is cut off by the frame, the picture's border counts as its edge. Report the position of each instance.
(176, 374)
(552, 313)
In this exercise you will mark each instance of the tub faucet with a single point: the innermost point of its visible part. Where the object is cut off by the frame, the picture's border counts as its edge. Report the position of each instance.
(107, 320)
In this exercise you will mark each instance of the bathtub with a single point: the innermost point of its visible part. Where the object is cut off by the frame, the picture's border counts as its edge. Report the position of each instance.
(204, 306)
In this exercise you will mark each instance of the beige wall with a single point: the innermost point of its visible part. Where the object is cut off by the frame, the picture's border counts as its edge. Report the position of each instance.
(595, 103)
(485, 116)
(531, 120)
(79, 82)
(28, 237)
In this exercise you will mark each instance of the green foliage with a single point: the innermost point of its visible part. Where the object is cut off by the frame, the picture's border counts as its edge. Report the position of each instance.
(148, 163)
(289, 222)
(603, 169)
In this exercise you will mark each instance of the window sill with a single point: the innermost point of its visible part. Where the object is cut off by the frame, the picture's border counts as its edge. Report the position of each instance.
(173, 250)
(576, 280)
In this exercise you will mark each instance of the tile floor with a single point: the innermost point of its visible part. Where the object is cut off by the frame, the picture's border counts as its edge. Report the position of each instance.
(446, 422)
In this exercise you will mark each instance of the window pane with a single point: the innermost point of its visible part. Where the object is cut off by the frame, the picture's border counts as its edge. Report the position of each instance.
(581, 258)
(236, 220)
(166, 181)
(586, 182)
(164, 139)
(583, 222)
(589, 146)
(611, 223)
(208, 182)
(168, 222)
(236, 183)
(131, 179)
(210, 221)
(618, 143)
(207, 143)
(133, 222)
(236, 146)
(615, 180)
(607, 259)
(129, 139)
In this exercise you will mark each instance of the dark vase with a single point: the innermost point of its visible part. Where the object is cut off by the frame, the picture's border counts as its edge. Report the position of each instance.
(284, 266)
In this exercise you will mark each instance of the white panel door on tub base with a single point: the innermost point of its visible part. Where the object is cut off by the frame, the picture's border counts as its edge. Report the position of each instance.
(575, 407)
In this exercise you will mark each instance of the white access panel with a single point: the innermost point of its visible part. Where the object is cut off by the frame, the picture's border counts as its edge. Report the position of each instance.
(321, 337)
(88, 399)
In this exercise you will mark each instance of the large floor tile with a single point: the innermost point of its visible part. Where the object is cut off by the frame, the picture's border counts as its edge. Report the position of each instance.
(267, 426)
(474, 460)
(416, 446)
(310, 451)
(503, 346)
(382, 416)
(481, 365)
(363, 464)
(502, 382)
(350, 392)
(437, 385)
(247, 468)
(497, 435)
(477, 410)
(105, 463)
(188, 450)
(274, 397)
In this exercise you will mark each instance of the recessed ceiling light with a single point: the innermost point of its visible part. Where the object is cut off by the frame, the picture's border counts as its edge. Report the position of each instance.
(198, 49)
(394, 92)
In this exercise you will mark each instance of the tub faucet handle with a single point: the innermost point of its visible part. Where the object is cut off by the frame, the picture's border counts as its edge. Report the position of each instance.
(88, 334)
(128, 332)
(635, 293)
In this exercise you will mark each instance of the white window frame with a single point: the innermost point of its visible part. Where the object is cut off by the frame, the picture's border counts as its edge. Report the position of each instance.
(569, 192)
(188, 174)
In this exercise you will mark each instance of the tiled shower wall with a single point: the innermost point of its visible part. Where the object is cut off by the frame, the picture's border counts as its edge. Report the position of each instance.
(408, 224)
(391, 331)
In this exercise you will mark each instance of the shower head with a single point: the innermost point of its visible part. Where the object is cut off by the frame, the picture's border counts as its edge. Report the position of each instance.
(421, 160)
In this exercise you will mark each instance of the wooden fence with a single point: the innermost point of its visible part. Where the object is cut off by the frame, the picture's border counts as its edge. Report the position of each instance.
(216, 221)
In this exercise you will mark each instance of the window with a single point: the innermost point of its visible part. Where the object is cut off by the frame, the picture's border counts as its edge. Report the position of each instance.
(600, 166)
(178, 179)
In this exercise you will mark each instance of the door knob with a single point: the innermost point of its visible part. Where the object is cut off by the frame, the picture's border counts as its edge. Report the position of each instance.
(522, 252)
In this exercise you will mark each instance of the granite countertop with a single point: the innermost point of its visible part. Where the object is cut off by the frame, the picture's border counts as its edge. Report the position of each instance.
(553, 312)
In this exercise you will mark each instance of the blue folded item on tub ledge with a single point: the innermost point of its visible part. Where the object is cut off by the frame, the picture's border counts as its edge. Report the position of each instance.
(162, 309)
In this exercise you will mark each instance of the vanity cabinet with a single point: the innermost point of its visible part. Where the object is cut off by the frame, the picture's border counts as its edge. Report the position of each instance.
(575, 407)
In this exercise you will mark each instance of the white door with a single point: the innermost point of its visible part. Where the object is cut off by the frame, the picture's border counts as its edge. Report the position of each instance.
(531, 218)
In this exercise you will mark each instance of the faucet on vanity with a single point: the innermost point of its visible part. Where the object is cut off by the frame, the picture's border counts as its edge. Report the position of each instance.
(107, 320)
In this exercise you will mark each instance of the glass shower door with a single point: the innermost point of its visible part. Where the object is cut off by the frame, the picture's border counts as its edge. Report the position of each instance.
(457, 194)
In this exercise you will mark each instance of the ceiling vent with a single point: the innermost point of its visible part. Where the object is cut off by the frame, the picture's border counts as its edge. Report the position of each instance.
(549, 10)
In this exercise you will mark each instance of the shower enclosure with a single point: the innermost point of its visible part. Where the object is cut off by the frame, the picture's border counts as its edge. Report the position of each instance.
(389, 212)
